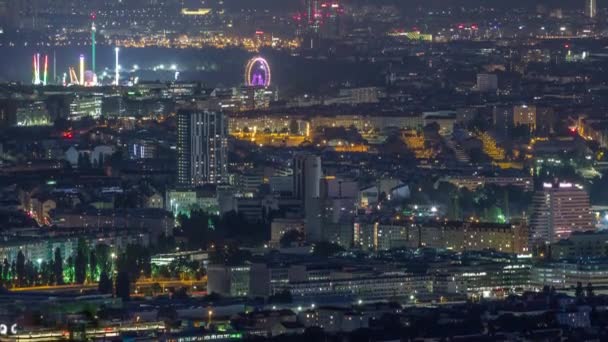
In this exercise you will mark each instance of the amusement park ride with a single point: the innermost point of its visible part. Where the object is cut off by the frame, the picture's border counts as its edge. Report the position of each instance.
(257, 73)
(87, 78)
(257, 70)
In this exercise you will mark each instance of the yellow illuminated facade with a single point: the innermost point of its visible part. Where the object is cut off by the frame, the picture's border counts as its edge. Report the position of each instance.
(413, 35)
(194, 12)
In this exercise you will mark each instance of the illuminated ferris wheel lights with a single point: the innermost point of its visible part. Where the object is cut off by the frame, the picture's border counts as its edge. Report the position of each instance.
(257, 73)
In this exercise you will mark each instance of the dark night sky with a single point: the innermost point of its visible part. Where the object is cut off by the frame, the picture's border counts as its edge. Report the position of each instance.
(294, 4)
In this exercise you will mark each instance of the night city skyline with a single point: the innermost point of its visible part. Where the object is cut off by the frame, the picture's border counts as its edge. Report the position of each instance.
(303, 170)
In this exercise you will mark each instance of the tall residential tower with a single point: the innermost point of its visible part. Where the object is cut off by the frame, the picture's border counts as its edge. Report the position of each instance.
(590, 8)
(307, 175)
(558, 211)
(202, 143)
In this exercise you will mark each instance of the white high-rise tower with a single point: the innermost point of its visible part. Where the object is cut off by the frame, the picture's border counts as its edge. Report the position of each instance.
(590, 8)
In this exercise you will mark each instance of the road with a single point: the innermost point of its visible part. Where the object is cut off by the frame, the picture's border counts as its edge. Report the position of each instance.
(139, 286)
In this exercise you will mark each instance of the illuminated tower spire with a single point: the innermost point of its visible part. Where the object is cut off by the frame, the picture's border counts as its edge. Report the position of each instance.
(54, 67)
(46, 69)
(81, 70)
(590, 8)
(116, 67)
(38, 68)
(93, 43)
(35, 78)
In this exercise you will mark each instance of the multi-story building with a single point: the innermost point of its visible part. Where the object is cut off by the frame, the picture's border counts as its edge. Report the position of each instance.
(261, 123)
(166, 259)
(307, 176)
(525, 115)
(280, 226)
(307, 188)
(455, 236)
(503, 120)
(564, 275)
(142, 149)
(334, 319)
(313, 15)
(473, 182)
(596, 130)
(487, 83)
(581, 245)
(590, 8)
(545, 121)
(82, 107)
(255, 98)
(476, 278)
(464, 236)
(367, 123)
(9, 13)
(355, 96)
(378, 237)
(558, 211)
(32, 114)
(156, 222)
(366, 286)
(202, 142)
(228, 280)
(41, 247)
(184, 201)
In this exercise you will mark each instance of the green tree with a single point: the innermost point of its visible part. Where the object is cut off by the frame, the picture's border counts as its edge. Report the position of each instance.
(123, 286)
(495, 215)
(46, 273)
(31, 274)
(290, 237)
(20, 269)
(105, 284)
(68, 273)
(589, 291)
(230, 254)
(135, 261)
(93, 272)
(197, 229)
(6, 271)
(234, 226)
(103, 258)
(579, 292)
(13, 271)
(326, 249)
(58, 267)
(81, 262)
